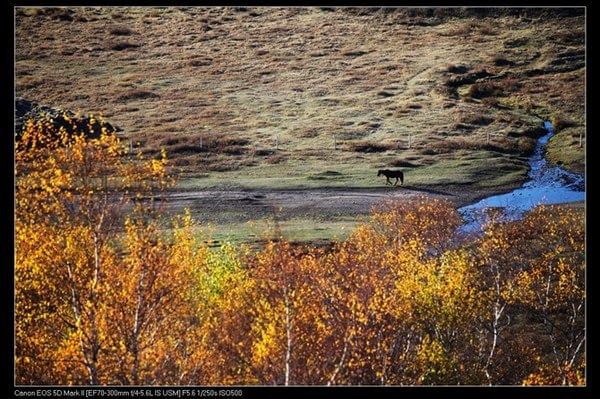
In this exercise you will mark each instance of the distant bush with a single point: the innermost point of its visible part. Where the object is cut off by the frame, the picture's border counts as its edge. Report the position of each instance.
(456, 143)
(402, 163)
(185, 148)
(485, 89)
(486, 28)
(57, 13)
(510, 84)
(274, 159)
(121, 31)
(369, 146)
(261, 152)
(500, 60)
(120, 46)
(476, 119)
(458, 69)
(233, 149)
(525, 145)
(471, 77)
(136, 95)
(490, 102)
(200, 62)
(559, 123)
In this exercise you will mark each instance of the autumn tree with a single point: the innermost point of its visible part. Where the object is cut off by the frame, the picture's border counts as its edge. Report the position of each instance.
(91, 307)
(551, 288)
(110, 292)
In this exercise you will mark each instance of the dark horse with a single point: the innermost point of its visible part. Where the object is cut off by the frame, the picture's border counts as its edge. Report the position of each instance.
(392, 173)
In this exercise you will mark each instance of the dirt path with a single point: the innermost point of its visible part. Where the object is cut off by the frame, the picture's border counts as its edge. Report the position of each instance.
(227, 206)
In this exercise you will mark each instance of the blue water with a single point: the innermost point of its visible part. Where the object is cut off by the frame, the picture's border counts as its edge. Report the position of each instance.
(547, 185)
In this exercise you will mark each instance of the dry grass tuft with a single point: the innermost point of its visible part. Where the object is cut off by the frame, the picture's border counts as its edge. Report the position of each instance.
(122, 45)
(476, 119)
(274, 159)
(136, 94)
(502, 60)
(559, 123)
(121, 31)
(369, 146)
(496, 88)
(402, 163)
(456, 69)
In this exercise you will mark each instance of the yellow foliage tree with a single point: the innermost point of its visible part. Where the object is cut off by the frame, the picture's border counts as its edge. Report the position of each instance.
(86, 312)
(105, 296)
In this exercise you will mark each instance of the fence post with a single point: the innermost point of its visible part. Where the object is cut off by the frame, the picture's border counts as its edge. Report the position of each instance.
(334, 143)
(580, 139)
(409, 140)
(130, 146)
(487, 141)
(277, 142)
(200, 142)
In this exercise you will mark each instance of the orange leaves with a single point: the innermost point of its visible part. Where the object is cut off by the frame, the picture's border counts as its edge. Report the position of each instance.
(105, 296)
(537, 266)
(432, 361)
(548, 375)
(267, 327)
(84, 313)
(380, 308)
(432, 221)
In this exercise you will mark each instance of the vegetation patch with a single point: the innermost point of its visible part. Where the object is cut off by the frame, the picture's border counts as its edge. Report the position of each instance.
(121, 31)
(324, 80)
(134, 95)
(403, 163)
(369, 146)
(123, 45)
(456, 69)
(559, 123)
(501, 60)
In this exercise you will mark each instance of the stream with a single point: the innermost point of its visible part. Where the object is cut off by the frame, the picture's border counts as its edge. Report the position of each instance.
(546, 185)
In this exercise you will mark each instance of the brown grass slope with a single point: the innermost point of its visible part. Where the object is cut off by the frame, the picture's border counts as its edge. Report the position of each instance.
(295, 92)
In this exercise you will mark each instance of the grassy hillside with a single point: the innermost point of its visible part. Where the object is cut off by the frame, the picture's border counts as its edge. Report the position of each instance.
(310, 97)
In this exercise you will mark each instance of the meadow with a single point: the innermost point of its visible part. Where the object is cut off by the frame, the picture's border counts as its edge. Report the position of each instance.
(218, 86)
(294, 98)
(233, 230)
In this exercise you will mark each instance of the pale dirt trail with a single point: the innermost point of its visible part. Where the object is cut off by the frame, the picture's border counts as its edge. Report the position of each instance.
(237, 205)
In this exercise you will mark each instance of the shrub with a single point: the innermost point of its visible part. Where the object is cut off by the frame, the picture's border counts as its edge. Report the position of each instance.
(120, 46)
(476, 119)
(121, 31)
(186, 148)
(485, 89)
(457, 69)
(136, 95)
(369, 146)
(500, 60)
(402, 163)
(274, 159)
(559, 123)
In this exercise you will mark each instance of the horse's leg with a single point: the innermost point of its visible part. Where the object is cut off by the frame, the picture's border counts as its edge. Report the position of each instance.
(395, 184)
(387, 178)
